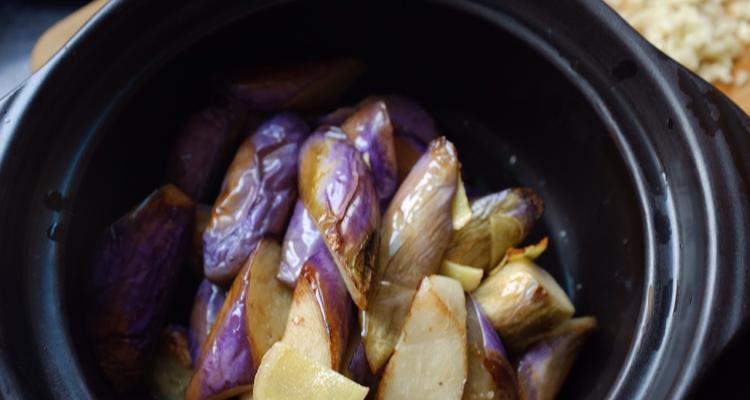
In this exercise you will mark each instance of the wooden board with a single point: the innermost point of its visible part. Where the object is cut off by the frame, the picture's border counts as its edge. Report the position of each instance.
(55, 37)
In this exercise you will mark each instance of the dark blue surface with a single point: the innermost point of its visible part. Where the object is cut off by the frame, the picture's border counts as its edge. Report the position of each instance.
(21, 24)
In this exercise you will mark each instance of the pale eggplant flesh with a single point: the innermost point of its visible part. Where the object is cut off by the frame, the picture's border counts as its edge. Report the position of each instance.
(414, 234)
(171, 368)
(522, 300)
(321, 313)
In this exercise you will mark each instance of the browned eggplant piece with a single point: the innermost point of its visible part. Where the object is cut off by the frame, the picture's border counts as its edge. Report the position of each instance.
(206, 306)
(545, 365)
(321, 312)
(303, 86)
(171, 368)
(371, 132)
(134, 273)
(257, 196)
(203, 150)
(491, 376)
(522, 300)
(337, 189)
(251, 319)
(414, 234)
(499, 221)
(429, 361)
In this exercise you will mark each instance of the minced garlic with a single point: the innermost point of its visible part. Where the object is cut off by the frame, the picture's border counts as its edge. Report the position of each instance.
(706, 36)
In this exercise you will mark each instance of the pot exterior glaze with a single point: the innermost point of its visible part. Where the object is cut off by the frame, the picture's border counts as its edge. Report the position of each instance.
(642, 165)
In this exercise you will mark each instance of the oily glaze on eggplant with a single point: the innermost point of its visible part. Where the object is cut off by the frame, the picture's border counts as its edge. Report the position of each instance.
(522, 300)
(301, 242)
(133, 276)
(321, 312)
(257, 196)
(252, 316)
(371, 132)
(337, 189)
(206, 306)
(414, 234)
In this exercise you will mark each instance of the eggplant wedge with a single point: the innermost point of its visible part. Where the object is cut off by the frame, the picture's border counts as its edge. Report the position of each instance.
(134, 273)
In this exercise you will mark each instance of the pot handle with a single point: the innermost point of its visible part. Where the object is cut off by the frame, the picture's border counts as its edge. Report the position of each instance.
(724, 138)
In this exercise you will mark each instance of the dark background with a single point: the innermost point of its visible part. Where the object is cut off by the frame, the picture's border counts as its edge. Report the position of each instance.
(23, 21)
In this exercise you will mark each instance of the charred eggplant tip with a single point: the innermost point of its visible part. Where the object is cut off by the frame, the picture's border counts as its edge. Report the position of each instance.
(534, 199)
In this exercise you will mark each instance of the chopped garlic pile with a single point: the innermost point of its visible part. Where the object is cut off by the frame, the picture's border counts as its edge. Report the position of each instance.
(706, 36)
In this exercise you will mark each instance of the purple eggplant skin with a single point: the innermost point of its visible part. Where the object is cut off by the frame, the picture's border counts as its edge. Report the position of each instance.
(303, 86)
(322, 276)
(203, 150)
(410, 119)
(257, 196)
(202, 216)
(171, 368)
(371, 132)
(359, 371)
(415, 232)
(338, 191)
(134, 273)
(491, 374)
(227, 363)
(544, 366)
(301, 241)
(208, 302)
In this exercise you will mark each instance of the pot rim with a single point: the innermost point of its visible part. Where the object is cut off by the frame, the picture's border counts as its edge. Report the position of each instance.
(721, 209)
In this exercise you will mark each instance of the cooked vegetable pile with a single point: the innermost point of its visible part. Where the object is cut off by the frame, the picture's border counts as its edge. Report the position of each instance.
(344, 262)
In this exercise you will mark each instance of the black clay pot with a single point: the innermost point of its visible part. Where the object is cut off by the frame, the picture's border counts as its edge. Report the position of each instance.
(642, 165)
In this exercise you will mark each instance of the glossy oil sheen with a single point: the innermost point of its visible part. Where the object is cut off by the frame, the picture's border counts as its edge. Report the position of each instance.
(644, 187)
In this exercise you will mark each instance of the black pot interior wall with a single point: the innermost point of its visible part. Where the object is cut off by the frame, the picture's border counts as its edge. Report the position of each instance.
(514, 118)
